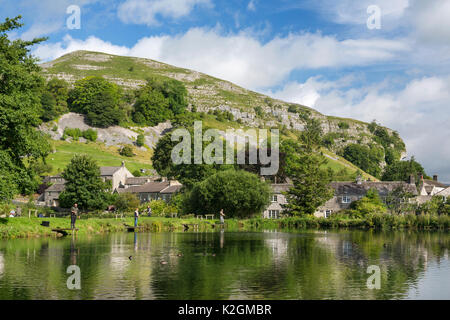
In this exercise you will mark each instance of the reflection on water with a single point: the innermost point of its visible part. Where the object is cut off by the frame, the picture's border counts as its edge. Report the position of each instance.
(223, 265)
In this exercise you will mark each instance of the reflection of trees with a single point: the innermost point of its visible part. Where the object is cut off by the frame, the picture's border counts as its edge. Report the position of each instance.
(36, 268)
(216, 265)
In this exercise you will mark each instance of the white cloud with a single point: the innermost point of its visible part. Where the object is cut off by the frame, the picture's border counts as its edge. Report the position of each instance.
(431, 20)
(147, 11)
(242, 58)
(50, 51)
(419, 111)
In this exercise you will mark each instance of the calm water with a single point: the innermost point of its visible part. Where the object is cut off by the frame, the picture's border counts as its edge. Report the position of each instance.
(222, 265)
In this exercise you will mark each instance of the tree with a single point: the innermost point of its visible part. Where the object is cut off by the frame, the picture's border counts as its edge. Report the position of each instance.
(161, 99)
(310, 184)
(187, 174)
(54, 99)
(99, 100)
(369, 204)
(127, 151)
(402, 170)
(140, 140)
(239, 193)
(367, 159)
(20, 109)
(126, 202)
(397, 201)
(151, 108)
(84, 185)
(312, 135)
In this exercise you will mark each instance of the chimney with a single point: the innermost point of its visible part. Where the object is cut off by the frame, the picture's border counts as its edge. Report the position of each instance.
(412, 180)
(435, 177)
(358, 179)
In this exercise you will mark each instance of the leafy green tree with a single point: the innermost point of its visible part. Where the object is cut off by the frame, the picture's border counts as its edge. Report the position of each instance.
(54, 99)
(398, 202)
(20, 109)
(48, 106)
(367, 159)
(8, 176)
(187, 174)
(369, 204)
(127, 151)
(99, 100)
(161, 99)
(126, 202)
(90, 134)
(151, 108)
(239, 193)
(84, 185)
(312, 135)
(140, 140)
(310, 184)
(402, 170)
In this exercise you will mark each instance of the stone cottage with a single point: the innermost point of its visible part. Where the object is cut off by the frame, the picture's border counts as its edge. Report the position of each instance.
(117, 175)
(154, 190)
(277, 201)
(347, 192)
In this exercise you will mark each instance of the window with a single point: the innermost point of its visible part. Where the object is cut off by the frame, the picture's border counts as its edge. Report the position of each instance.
(274, 198)
(273, 214)
(346, 199)
(328, 213)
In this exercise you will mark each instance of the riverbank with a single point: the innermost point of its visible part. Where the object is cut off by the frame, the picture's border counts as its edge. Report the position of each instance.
(11, 228)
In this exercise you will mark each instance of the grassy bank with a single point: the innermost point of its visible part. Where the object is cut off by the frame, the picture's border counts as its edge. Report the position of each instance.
(11, 228)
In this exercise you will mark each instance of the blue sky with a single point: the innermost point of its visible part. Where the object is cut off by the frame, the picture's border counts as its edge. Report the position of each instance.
(320, 53)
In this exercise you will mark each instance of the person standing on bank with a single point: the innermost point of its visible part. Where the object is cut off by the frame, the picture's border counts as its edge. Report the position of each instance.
(149, 211)
(73, 215)
(222, 215)
(136, 216)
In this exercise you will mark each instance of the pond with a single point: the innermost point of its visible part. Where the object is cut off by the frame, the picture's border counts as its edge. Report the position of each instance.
(230, 265)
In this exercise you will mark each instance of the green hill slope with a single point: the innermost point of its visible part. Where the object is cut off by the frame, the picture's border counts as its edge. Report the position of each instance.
(206, 93)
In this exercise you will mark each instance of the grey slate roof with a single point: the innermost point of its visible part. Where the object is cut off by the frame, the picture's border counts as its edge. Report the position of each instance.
(57, 187)
(172, 189)
(108, 171)
(281, 187)
(383, 188)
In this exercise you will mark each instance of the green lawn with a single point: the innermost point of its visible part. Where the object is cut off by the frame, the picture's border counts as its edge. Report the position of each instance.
(105, 156)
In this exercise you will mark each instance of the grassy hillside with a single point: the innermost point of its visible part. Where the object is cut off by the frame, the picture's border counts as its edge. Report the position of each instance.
(206, 93)
(105, 156)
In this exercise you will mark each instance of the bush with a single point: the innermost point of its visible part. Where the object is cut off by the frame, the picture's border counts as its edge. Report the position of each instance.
(126, 202)
(75, 133)
(90, 135)
(343, 125)
(98, 99)
(126, 151)
(140, 141)
(239, 193)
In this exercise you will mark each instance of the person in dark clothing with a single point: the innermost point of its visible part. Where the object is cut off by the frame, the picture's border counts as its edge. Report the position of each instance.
(73, 215)
(149, 211)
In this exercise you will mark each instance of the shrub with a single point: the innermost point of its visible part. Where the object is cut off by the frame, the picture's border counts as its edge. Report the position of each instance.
(140, 141)
(343, 125)
(90, 134)
(126, 151)
(75, 133)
